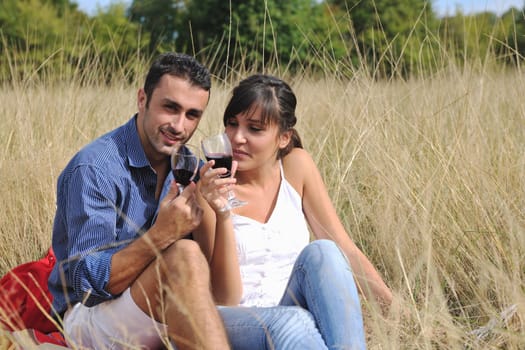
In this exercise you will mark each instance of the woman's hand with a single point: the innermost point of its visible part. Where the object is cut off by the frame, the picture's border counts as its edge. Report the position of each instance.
(213, 188)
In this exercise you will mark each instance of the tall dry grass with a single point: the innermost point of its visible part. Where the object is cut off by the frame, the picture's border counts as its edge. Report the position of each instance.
(427, 175)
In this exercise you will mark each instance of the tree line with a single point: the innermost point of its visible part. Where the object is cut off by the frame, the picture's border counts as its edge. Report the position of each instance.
(386, 38)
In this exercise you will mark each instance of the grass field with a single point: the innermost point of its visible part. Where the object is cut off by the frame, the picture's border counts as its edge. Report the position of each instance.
(428, 176)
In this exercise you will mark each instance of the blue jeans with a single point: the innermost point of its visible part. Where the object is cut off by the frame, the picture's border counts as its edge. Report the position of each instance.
(319, 310)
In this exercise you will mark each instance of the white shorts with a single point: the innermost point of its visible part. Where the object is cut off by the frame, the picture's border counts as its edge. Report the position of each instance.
(114, 324)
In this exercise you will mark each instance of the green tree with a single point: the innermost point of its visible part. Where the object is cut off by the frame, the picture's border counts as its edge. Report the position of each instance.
(483, 38)
(254, 34)
(52, 38)
(34, 34)
(116, 41)
(513, 45)
(160, 19)
(391, 36)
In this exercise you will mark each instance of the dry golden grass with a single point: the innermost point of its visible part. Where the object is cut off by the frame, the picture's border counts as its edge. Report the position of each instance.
(426, 174)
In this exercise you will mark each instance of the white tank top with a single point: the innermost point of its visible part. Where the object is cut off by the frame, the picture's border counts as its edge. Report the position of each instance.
(267, 252)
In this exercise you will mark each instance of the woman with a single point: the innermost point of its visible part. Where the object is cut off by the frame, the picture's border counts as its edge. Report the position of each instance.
(259, 253)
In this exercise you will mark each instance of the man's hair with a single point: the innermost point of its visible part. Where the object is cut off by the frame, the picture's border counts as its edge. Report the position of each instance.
(178, 65)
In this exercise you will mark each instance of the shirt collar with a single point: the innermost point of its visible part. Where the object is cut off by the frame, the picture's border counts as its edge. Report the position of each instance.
(135, 150)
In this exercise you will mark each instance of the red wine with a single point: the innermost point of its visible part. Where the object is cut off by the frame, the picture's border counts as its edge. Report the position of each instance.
(183, 176)
(221, 161)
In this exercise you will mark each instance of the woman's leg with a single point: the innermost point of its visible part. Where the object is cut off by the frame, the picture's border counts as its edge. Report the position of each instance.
(322, 282)
(279, 328)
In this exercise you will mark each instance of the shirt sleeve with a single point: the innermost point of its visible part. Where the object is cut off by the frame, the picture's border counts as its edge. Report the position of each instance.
(90, 219)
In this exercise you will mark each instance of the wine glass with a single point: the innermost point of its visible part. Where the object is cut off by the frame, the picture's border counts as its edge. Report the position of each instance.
(219, 148)
(184, 165)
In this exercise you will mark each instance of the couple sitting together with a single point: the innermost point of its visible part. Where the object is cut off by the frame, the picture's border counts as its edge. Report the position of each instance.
(129, 276)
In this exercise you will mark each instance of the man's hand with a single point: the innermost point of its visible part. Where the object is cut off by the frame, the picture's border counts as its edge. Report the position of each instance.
(178, 215)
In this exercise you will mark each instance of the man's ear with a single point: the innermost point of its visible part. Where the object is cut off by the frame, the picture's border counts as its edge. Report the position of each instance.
(284, 139)
(141, 99)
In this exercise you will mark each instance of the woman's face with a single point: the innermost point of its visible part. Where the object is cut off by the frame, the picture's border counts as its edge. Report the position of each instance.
(254, 144)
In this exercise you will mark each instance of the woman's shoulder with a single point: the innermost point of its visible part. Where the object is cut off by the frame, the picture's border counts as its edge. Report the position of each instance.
(297, 165)
(298, 157)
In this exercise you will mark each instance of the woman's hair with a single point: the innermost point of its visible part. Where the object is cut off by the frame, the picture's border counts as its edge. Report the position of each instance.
(276, 101)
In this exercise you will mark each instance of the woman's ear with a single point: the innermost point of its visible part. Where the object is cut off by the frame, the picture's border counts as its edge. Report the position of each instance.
(284, 139)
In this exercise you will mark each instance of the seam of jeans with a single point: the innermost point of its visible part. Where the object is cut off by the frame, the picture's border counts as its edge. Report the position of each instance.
(309, 307)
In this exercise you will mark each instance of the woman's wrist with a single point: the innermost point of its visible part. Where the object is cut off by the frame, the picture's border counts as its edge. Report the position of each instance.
(222, 215)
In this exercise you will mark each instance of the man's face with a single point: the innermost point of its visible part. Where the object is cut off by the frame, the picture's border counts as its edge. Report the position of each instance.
(172, 116)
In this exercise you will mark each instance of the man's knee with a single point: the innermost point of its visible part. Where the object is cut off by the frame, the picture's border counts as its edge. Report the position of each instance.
(185, 257)
(179, 263)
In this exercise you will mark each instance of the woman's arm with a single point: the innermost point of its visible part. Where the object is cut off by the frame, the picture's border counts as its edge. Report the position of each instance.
(216, 238)
(321, 215)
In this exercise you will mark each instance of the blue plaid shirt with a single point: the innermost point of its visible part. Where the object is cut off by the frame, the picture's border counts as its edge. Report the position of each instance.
(105, 199)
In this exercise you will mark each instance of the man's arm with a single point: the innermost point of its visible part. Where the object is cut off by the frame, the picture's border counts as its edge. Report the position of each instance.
(84, 232)
(175, 219)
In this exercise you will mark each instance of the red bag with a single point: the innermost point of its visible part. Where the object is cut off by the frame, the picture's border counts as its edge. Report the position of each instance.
(25, 300)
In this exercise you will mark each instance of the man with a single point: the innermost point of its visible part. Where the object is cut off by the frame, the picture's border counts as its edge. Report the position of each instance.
(124, 275)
